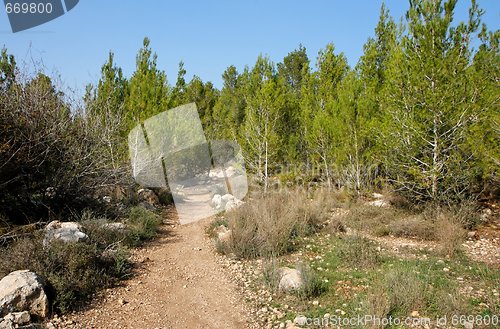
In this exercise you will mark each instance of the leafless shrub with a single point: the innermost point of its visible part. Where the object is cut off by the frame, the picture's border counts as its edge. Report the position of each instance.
(52, 159)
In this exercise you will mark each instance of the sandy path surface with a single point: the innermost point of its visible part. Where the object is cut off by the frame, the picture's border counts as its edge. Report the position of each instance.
(179, 285)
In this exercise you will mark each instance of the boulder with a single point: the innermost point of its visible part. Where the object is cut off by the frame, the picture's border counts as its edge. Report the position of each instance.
(233, 204)
(15, 318)
(227, 197)
(217, 201)
(226, 202)
(148, 196)
(290, 279)
(23, 291)
(64, 231)
(6, 324)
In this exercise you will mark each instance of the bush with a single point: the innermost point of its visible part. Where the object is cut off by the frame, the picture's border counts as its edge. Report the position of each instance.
(397, 293)
(75, 271)
(72, 271)
(271, 274)
(313, 284)
(450, 234)
(53, 160)
(357, 252)
(143, 225)
(269, 224)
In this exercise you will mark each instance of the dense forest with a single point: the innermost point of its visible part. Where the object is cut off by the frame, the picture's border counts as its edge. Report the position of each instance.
(418, 114)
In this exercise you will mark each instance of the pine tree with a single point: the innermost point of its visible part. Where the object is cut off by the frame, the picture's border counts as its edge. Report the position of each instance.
(431, 102)
(148, 89)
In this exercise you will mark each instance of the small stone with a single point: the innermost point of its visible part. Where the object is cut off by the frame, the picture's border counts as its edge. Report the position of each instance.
(415, 314)
(315, 303)
(122, 301)
(300, 320)
(468, 325)
(446, 269)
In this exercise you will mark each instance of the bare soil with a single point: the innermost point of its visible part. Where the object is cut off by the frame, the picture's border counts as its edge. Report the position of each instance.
(178, 285)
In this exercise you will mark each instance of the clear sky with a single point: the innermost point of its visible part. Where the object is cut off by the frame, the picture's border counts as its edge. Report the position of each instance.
(207, 35)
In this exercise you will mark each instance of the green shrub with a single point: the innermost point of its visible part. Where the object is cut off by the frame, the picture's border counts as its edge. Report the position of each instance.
(73, 272)
(143, 225)
(271, 274)
(313, 284)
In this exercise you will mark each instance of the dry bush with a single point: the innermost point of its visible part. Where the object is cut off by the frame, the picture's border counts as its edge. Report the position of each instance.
(271, 274)
(449, 233)
(358, 252)
(72, 271)
(399, 292)
(413, 227)
(313, 285)
(371, 219)
(75, 271)
(268, 224)
(54, 159)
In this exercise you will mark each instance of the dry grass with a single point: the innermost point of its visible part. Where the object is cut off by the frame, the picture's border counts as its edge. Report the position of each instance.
(450, 234)
(397, 292)
(268, 225)
(358, 252)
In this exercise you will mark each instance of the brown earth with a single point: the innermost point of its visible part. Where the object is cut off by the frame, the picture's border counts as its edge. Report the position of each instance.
(178, 285)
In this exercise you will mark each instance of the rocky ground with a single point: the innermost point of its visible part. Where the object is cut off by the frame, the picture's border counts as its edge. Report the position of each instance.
(181, 282)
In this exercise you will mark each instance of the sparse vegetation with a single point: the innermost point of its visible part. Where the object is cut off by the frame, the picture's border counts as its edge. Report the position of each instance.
(268, 225)
(76, 271)
(349, 266)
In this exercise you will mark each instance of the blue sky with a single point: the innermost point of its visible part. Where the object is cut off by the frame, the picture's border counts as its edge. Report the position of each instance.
(207, 35)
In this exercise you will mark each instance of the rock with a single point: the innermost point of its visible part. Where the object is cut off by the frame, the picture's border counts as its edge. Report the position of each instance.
(231, 171)
(23, 291)
(217, 201)
(471, 234)
(415, 314)
(107, 199)
(485, 215)
(226, 198)
(233, 204)
(115, 226)
(468, 325)
(226, 202)
(5, 324)
(19, 318)
(64, 231)
(291, 279)
(300, 320)
(379, 203)
(223, 233)
(148, 196)
(377, 196)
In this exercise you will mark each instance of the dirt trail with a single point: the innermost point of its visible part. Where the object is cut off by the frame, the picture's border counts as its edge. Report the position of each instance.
(180, 285)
